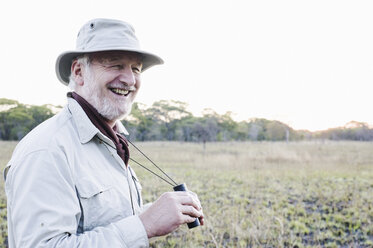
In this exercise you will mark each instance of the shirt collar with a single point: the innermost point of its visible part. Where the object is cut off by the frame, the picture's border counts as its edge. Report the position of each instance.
(86, 129)
(120, 128)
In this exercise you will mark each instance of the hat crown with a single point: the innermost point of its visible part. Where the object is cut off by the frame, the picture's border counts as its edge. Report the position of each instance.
(99, 35)
(106, 33)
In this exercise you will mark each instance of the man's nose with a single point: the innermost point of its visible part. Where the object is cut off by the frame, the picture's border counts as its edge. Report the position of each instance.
(127, 77)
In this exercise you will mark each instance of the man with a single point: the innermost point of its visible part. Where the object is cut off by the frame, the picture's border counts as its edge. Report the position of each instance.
(68, 182)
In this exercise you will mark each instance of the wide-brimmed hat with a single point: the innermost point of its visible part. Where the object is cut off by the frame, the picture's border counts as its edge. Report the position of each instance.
(103, 35)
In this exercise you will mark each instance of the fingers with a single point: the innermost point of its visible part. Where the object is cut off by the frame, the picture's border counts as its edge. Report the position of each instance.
(169, 211)
(201, 217)
(191, 211)
(201, 220)
(189, 205)
(188, 219)
(190, 214)
(189, 198)
(196, 198)
(192, 208)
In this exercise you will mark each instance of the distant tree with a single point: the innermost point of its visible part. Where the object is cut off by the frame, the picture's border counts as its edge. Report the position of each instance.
(18, 122)
(276, 131)
(170, 120)
(39, 114)
(200, 131)
(258, 129)
(4, 101)
(16, 119)
(185, 129)
(170, 114)
(227, 126)
(242, 131)
(254, 131)
(139, 123)
(351, 131)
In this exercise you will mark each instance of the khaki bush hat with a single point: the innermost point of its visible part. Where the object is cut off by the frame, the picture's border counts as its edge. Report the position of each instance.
(103, 35)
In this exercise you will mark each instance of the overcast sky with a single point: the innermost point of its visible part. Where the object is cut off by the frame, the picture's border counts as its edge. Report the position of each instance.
(308, 64)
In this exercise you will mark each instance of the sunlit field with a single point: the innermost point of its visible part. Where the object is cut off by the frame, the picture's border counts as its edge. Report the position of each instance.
(269, 194)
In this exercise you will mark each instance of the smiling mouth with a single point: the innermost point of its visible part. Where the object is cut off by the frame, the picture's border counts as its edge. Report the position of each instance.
(120, 92)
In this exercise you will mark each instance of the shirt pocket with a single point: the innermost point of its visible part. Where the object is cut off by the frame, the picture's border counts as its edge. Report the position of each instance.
(101, 204)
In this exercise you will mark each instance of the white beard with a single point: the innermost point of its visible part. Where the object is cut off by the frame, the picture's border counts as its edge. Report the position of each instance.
(105, 106)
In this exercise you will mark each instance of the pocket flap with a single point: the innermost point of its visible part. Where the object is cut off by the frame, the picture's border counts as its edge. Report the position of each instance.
(88, 189)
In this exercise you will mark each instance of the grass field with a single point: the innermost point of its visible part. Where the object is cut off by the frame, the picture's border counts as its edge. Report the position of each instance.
(306, 194)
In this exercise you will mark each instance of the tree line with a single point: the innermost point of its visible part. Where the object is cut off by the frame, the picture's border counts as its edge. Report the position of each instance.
(171, 121)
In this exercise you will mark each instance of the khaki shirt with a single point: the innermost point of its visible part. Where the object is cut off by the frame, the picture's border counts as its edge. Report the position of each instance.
(67, 187)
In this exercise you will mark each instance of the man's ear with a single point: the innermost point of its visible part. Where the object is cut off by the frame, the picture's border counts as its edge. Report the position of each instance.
(77, 73)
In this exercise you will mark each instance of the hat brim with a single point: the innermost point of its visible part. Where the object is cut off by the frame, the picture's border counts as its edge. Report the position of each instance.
(64, 61)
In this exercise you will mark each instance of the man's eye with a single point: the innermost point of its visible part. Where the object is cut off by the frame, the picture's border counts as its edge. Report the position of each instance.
(118, 67)
(137, 70)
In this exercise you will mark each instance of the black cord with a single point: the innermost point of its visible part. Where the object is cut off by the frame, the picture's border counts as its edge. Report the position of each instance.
(164, 173)
(152, 172)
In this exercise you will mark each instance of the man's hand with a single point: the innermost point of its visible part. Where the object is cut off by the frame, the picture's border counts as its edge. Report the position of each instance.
(170, 211)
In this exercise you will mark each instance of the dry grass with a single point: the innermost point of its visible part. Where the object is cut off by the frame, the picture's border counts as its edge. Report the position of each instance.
(265, 194)
(270, 194)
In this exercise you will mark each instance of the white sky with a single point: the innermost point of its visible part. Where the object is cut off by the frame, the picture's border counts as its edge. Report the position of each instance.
(306, 63)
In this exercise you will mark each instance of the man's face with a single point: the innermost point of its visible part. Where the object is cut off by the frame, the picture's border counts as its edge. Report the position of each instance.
(111, 82)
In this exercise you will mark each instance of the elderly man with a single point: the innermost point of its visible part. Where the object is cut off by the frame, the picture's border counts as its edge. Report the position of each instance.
(68, 182)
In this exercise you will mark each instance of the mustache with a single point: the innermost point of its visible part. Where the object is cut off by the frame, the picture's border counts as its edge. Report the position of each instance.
(121, 85)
